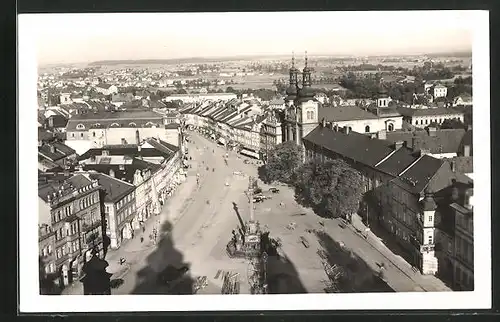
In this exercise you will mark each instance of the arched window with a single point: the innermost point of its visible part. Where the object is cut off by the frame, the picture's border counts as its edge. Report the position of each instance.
(132, 124)
(390, 127)
(80, 127)
(149, 124)
(114, 125)
(97, 125)
(350, 128)
(312, 115)
(367, 129)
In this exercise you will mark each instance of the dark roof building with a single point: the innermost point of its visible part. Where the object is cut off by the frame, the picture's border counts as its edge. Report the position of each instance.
(354, 146)
(114, 189)
(433, 140)
(55, 151)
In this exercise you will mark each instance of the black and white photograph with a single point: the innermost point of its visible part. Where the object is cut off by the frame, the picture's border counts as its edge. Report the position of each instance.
(208, 161)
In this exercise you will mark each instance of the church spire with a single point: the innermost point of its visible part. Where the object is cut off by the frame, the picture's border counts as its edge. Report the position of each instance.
(306, 74)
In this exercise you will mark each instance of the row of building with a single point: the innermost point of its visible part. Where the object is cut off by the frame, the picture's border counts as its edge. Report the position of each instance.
(95, 199)
(418, 184)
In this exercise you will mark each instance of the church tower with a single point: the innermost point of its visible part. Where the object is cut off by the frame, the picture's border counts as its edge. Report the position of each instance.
(307, 105)
(291, 91)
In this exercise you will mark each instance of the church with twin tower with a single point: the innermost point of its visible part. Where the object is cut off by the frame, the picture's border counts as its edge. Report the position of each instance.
(301, 111)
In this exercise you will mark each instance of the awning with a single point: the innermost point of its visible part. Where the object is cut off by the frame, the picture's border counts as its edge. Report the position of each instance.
(250, 153)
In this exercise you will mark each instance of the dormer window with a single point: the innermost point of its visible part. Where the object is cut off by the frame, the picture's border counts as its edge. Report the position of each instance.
(80, 127)
(115, 125)
(149, 124)
(132, 124)
(97, 125)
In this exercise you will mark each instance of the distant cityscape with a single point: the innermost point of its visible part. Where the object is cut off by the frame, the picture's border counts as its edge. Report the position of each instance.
(256, 175)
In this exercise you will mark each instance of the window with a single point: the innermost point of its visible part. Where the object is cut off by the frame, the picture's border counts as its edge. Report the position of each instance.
(390, 127)
(429, 239)
(58, 215)
(115, 125)
(430, 219)
(72, 135)
(107, 209)
(367, 129)
(81, 135)
(80, 127)
(59, 253)
(49, 249)
(132, 124)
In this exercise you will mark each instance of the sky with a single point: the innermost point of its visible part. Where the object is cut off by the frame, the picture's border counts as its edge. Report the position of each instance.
(80, 38)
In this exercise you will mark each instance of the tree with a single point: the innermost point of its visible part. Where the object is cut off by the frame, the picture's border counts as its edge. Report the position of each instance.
(282, 163)
(333, 188)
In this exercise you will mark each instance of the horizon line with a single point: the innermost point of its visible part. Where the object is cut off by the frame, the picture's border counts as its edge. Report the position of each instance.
(441, 52)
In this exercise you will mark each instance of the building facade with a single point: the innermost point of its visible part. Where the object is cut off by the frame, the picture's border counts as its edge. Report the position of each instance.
(77, 224)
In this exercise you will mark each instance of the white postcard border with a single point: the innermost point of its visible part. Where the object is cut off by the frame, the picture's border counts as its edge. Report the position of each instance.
(31, 301)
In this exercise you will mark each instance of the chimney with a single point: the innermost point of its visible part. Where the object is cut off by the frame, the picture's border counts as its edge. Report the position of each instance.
(398, 145)
(346, 129)
(323, 122)
(331, 126)
(111, 173)
(466, 150)
(137, 138)
(52, 149)
(415, 143)
(432, 131)
(453, 164)
(382, 135)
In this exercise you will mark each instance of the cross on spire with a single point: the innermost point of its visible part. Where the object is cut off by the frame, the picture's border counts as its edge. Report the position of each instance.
(293, 59)
(306, 58)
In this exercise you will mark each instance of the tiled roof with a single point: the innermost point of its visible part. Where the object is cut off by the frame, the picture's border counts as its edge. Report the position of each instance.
(163, 146)
(444, 141)
(75, 181)
(61, 151)
(114, 188)
(104, 119)
(128, 172)
(428, 111)
(355, 146)
(128, 150)
(398, 161)
(421, 172)
(344, 113)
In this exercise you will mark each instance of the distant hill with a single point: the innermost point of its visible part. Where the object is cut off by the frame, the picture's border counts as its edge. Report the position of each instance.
(465, 53)
(192, 60)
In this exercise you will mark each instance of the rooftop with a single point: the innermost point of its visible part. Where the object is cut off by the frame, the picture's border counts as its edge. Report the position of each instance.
(355, 146)
(398, 161)
(442, 141)
(115, 189)
(344, 113)
(55, 151)
(405, 111)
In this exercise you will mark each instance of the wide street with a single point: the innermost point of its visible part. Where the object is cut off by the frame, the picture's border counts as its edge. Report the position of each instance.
(196, 223)
(200, 221)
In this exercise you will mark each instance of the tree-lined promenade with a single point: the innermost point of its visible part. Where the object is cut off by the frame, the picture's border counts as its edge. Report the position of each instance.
(331, 188)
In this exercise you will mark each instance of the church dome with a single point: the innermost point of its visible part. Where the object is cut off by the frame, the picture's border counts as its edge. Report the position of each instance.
(291, 90)
(306, 92)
